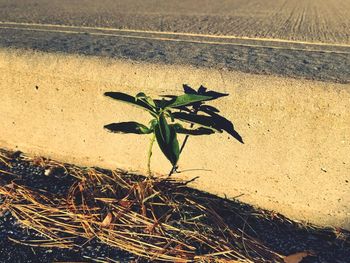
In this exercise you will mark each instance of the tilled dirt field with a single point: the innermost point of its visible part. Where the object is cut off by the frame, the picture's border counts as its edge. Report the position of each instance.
(308, 20)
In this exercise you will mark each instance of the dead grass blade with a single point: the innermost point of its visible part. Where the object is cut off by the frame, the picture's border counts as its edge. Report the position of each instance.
(149, 217)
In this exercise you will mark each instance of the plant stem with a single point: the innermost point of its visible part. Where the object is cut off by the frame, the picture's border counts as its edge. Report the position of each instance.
(150, 154)
(173, 169)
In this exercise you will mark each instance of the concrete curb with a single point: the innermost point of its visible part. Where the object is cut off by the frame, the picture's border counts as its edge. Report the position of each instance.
(297, 132)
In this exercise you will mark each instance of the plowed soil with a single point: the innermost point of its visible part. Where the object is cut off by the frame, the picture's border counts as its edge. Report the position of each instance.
(326, 21)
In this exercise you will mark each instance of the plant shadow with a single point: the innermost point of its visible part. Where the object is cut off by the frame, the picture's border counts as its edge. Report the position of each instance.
(208, 115)
(276, 232)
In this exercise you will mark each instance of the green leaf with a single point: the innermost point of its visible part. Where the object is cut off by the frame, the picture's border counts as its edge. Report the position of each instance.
(143, 97)
(164, 128)
(198, 131)
(128, 127)
(187, 99)
(200, 120)
(167, 140)
(140, 95)
(170, 115)
(161, 104)
(153, 123)
(129, 99)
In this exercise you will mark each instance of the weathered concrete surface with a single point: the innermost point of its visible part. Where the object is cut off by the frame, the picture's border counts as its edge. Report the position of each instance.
(297, 133)
(308, 20)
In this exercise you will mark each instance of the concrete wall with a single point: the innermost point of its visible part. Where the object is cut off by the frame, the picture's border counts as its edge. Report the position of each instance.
(295, 159)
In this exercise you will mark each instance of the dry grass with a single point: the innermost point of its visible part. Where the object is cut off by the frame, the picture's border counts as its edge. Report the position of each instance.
(156, 219)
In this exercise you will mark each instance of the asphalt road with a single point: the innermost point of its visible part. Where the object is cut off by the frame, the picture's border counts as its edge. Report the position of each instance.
(307, 39)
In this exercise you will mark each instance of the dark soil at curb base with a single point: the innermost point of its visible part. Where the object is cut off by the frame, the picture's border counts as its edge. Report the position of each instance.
(273, 230)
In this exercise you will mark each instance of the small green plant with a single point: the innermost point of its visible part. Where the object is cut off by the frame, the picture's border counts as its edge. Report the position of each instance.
(168, 115)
